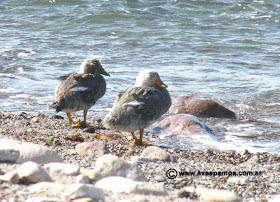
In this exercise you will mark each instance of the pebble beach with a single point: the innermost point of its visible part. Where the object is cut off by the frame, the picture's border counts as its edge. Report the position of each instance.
(75, 164)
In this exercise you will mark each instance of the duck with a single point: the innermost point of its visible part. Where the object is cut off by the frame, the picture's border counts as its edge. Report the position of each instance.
(80, 90)
(139, 106)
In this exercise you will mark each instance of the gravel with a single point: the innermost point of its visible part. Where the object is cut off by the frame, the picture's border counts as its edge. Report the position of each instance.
(211, 169)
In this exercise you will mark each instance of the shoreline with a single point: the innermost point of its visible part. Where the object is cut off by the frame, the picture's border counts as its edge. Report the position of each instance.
(206, 169)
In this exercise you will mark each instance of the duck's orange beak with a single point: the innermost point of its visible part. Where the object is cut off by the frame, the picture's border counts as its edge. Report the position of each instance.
(160, 83)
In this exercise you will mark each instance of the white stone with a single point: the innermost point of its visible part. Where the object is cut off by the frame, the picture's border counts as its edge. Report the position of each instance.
(51, 187)
(115, 184)
(120, 184)
(8, 155)
(12, 177)
(42, 199)
(148, 188)
(96, 148)
(156, 154)
(217, 195)
(237, 180)
(31, 172)
(110, 165)
(31, 152)
(62, 169)
(77, 191)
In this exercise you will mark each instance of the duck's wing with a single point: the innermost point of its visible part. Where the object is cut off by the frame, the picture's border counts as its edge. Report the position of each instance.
(147, 103)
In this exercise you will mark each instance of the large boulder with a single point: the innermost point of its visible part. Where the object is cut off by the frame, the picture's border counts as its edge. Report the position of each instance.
(182, 124)
(200, 107)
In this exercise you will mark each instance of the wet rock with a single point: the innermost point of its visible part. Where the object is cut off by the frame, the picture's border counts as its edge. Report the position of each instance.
(8, 155)
(31, 172)
(11, 177)
(121, 184)
(31, 152)
(62, 169)
(156, 154)
(237, 180)
(77, 191)
(95, 148)
(200, 107)
(110, 165)
(182, 124)
(52, 187)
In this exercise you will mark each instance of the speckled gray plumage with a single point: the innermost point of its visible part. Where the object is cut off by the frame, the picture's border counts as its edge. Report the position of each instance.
(127, 115)
(69, 100)
(79, 91)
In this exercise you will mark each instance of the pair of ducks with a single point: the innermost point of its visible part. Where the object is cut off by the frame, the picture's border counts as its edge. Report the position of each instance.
(134, 109)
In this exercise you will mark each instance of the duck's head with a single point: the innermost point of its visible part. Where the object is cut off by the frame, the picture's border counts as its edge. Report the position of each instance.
(92, 66)
(149, 77)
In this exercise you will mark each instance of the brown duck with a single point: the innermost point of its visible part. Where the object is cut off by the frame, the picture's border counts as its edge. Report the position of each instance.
(139, 106)
(80, 91)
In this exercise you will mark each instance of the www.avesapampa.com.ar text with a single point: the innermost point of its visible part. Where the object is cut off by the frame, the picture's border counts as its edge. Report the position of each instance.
(173, 173)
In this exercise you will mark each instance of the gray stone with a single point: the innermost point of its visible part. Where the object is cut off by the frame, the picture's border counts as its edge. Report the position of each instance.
(252, 161)
(8, 155)
(82, 179)
(62, 169)
(96, 148)
(31, 152)
(156, 154)
(110, 165)
(31, 172)
(11, 177)
(237, 180)
(120, 184)
(51, 187)
(77, 191)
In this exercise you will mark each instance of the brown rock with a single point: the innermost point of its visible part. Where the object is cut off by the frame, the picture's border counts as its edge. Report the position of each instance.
(182, 124)
(200, 107)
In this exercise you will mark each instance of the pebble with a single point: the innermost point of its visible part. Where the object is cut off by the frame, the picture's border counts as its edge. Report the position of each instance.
(52, 187)
(77, 191)
(237, 180)
(31, 152)
(62, 169)
(252, 161)
(31, 172)
(11, 177)
(8, 155)
(156, 154)
(43, 199)
(110, 165)
(217, 195)
(82, 179)
(121, 184)
(96, 148)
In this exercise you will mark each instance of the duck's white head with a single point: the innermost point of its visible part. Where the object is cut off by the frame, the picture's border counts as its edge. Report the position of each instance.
(150, 78)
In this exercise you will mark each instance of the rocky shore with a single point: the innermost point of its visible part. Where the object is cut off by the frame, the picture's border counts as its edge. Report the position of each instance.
(44, 159)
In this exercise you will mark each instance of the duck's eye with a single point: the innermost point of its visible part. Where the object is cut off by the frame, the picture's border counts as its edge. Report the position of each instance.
(94, 63)
(151, 75)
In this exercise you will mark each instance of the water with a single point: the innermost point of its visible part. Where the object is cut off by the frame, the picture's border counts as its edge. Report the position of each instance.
(227, 50)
